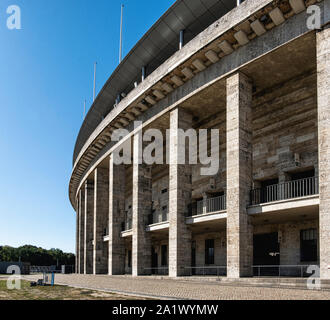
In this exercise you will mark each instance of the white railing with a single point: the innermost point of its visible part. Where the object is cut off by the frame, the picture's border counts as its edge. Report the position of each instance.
(156, 217)
(212, 205)
(296, 271)
(219, 271)
(285, 191)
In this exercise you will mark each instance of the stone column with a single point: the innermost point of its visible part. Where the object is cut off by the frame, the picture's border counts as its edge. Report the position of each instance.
(142, 205)
(180, 196)
(239, 176)
(77, 237)
(116, 218)
(81, 231)
(323, 85)
(89, 226)
(101, 213)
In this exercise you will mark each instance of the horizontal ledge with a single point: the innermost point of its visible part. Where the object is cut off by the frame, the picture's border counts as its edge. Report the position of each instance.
(221, 215)
(127, 233)
(158, 226)
(309, 201)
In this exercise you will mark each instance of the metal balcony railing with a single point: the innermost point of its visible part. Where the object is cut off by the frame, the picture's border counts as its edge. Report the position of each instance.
(42, 269)
(219, 271)
(287, 271)
(160, 271)
(211, 205)
(154, 218)
(284, 191)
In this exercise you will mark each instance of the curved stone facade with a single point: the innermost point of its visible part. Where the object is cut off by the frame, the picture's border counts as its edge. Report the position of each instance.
(253, 77)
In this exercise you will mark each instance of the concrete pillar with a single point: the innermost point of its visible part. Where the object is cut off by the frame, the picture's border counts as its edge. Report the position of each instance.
(101, 212)
(142, 205)
(180, 197)
(116, 218)
(89, 226)
(81, 231)
(239, 176)
(77, 237)
(323, 85)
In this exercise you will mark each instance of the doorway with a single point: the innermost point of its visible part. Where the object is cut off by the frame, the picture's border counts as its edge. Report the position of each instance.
(266, 254)
(193, 258)
(154, 261)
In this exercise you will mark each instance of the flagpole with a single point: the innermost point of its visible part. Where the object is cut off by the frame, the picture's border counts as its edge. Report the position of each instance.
(121, 35)
(94, 81)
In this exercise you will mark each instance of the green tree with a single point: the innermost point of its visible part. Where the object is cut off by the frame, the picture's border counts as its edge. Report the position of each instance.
(36, 256)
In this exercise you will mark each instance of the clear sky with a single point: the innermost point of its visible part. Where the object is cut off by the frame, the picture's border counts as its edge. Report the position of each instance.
(46, 72)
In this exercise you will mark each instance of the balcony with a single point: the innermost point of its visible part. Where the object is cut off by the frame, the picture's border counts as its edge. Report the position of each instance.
(212, 205)
(127, 225)
(209, 213)
(106, 235)
(106, 232)
(155, 218)
(285, 191)
(158, 222)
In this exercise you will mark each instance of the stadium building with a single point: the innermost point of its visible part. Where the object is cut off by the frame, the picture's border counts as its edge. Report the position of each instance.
(259, 72)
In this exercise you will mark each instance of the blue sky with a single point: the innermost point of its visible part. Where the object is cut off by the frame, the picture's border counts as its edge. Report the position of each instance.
(46, 72)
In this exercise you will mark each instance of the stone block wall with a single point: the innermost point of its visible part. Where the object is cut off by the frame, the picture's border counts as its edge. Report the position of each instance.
(142, 204)
(289, 234)
(81, 250)
(239, 175)
(89, 224)
(323, 82)
(157, 245)
(220, 248)
(180, 197)
(128, 248)
(160, 197)
(285, 124)
(101, 220)
(116, 247)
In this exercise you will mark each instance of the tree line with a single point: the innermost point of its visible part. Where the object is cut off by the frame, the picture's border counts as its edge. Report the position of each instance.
(36, 256)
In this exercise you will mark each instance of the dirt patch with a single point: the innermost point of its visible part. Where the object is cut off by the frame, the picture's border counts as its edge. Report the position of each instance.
(54, 293)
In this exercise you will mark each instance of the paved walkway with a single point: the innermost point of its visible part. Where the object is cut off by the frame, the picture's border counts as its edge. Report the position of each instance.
(178, 289)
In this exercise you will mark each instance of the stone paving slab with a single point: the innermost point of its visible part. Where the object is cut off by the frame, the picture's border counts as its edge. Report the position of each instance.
(179, 289)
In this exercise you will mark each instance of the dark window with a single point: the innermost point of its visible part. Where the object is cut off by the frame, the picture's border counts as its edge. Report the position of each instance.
(164, 256)
(268, 183)
(164, 191)
(209, 252)
(130, 258)
(308, 245)
(193, 254)
(165, 214)
(154, 260)
(303, 188)
(268, 191)
(193, 257)
(217, 194)
(303, 175)
(266, 250)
